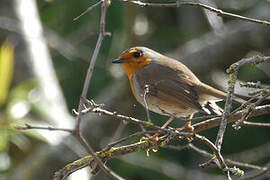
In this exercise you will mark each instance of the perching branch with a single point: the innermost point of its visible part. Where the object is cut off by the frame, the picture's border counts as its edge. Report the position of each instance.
(172, 135)
(198, 127)
(214, 122)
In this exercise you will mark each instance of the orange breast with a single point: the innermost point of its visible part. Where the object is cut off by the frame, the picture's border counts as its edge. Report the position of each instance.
(131, 68)
(130, 73)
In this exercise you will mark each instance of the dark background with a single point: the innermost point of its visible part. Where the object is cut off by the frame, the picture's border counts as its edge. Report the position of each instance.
(183, 33)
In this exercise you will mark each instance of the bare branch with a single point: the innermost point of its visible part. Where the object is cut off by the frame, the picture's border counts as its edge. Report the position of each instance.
(178, 4)
(216, 151)
(256, 85)
(145, 145)
(257, 124)
(77, 132)
(265, 171)
(140, 146)
(201, 126)
(247, 112)
(233, 70)
(112, 152)
(129, 137)
(90, 70)
(87, 10)
(252, 60)
(198, 127)
(227, 160)
(27, 127)
(224, 120)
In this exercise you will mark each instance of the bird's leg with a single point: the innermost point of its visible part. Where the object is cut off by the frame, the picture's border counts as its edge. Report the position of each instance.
(188, 124)
(155, 136)
(165, 125)
(168, 122)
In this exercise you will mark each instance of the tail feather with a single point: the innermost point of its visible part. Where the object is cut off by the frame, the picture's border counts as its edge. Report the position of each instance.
(212, 107)
(216, 94)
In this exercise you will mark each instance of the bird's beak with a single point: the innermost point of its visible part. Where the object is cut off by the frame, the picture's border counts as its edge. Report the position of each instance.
(118, 61)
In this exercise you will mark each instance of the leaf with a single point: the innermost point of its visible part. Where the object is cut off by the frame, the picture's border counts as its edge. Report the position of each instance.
(4, 138)
(6, 69)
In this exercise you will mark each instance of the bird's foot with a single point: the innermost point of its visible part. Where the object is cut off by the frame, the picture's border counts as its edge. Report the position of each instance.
(189, 127)
(152, 139)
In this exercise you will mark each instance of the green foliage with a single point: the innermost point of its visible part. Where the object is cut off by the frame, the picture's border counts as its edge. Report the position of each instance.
(167, 30)
(6, 70)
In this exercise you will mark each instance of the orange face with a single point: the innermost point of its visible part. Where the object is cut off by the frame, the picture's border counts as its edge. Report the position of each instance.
(132, 60)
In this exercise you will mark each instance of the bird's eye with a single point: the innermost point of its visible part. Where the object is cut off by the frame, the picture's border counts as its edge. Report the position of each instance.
(136, 54)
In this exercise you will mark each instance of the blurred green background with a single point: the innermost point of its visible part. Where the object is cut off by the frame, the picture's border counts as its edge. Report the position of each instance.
(206, 43)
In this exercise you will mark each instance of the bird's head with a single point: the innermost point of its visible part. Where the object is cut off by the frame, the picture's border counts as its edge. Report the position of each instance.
(135, 58)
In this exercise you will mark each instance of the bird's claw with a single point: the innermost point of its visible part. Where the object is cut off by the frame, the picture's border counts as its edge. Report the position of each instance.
(189, 127)
(153, 139)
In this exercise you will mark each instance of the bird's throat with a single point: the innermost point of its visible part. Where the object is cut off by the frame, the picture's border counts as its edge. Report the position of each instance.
(132, 67)
(130, 71)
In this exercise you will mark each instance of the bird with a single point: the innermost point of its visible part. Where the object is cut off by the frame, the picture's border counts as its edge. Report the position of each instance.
(168, 87)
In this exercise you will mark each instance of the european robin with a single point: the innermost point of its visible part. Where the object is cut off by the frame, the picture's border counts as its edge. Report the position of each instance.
(167, 86)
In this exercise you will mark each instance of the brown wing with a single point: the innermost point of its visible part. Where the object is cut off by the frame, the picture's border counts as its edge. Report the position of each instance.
(175, 93)
(168, 85)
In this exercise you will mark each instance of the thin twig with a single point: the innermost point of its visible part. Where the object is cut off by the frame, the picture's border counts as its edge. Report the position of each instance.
(87, 10)
(215, 150)
(257, 124)
(224, 118)
(253, 85)
(178, 4)
(243, 165)
(90, 70)
(247, 111)
(27, 127)
(252, 60)
(245, 104)
(102, 166)
(77, 132)
(146, 91)
(227, 160)
(233, 70)
(143, 129)
(210, 123)
(129, 137)
(265, 171)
